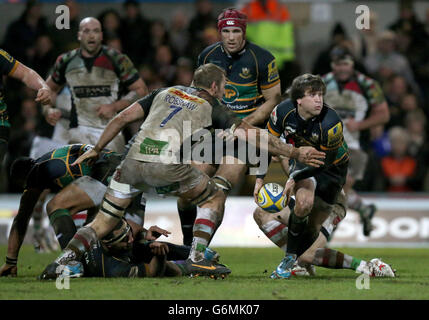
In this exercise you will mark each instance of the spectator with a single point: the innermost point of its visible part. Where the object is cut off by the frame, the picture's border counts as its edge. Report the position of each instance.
(111, 22)
(379, 141)
(44, 55)
(415, 122)
(21, 34)
(399, 169)
(395, 89)
(339, 37)
(269, 25)
(65, 39)
(388, 61)
(164, 64)
(202, 19)
(113, 41)
(408, 22)
(179, 34)
(135, 33)
(184, 72)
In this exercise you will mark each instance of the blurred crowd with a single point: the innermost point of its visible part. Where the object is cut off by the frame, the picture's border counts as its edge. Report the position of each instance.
(165, 55)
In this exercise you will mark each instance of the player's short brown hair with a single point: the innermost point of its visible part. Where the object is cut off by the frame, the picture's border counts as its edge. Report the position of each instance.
(306, 82)
(208, 73)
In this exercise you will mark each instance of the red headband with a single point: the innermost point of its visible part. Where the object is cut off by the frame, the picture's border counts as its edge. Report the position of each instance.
(232, 18)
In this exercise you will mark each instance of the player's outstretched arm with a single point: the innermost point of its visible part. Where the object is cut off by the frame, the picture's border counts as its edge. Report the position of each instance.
(19, 228)
(262, 139)
(132, 113)
(34, 81)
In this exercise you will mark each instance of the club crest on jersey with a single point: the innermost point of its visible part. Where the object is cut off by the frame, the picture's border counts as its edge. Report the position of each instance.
(314, 137)
(231, 94)
(245, 73)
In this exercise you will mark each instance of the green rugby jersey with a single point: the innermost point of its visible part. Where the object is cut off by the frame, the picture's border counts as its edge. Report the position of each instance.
(8, 65)
(248, 72)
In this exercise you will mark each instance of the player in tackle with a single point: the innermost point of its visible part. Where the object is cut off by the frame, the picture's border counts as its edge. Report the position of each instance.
(171, 116)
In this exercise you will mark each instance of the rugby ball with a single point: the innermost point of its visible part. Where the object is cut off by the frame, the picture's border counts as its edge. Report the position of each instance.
(270, 197)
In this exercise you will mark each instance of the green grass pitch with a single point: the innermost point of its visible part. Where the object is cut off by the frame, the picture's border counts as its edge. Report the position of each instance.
(249, 280)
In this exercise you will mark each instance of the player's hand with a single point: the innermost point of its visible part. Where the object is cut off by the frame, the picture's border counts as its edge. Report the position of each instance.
(352, 125)
(159, 248)
(106, 111)
(52, 116)
(8, 270)
(155, 232)
(310, 156)
(258, 185)
(289, 189)
(44, 96)
(90, 155)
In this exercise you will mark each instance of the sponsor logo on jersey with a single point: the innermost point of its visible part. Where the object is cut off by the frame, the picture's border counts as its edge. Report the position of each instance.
(273, 73)
(92, 91)
(245, 73)
(335, 134)
(183, 95)
(231, 94)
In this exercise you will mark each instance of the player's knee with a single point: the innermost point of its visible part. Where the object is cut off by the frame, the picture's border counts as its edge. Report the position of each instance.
(303, 206)
(259, 215)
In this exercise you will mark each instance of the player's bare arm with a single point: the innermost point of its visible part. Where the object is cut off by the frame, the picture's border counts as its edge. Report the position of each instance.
(307, 155)
(19, 228)
(136, 90)
(34, 81)
(51, 114)
(130, 114)
(272, 97)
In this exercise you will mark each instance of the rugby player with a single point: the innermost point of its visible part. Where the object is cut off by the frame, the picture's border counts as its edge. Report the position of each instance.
(305, 120)
(9, 66)
(360, 103)
(77, 188)
(95, 75)
(252, 90)
(126, 252)
(171, 116)
(275, 227)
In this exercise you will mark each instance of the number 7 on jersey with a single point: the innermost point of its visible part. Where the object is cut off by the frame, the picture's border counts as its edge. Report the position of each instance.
(176, 109)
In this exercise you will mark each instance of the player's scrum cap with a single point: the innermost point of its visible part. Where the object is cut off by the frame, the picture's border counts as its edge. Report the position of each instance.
(231, 17)
(340, 53)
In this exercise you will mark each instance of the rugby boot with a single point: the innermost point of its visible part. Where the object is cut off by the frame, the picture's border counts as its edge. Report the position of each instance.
(284, 269)
(379, 268)
(211, 255)
(366, 218)
(205, 268)
(73, 269)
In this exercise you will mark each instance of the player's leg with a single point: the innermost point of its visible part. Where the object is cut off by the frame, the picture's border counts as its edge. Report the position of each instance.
(273, 225)
(81, 194)
(356, 170)
(40, 239)
(297, 225)
(117, 198)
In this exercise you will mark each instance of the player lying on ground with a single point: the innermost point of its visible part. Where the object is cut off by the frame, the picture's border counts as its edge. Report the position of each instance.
(125, 252)
(145, 167)
(275, 227)
(77, 188)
